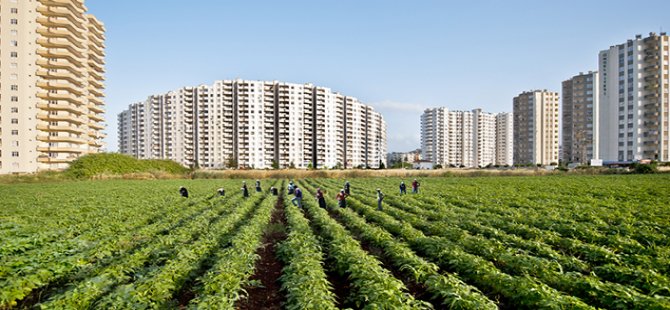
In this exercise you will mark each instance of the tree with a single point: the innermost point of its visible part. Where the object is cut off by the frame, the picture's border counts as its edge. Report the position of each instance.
(381, 165)
(231, 163)
(275, 164)
(291, 165)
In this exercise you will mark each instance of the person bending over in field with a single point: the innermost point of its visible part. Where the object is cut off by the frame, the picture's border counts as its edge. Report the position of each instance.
(342, 199)
(258, 185)
(274, 191)
(290, 187)
(245, 190)
(297, 200)
(380, 198)
(403, 188)
(221, 191)
(320, 198)
(183, 192)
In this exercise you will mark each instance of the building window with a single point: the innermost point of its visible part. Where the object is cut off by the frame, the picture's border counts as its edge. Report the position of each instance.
(15, 143)
(14, 32)
(15, 132)
(14, 87)
(14, 110)
(14, 10)
(14, 54)
(14, 43)
(14, 21)
(15, 154)
(13, 65)
(15, 99)
(15, 120)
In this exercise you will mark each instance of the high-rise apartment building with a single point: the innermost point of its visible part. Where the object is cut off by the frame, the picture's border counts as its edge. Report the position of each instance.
(536, 127)
(504, 139)
(254, 124)
(634, 100)
(51, 84)
(580, 118)
(459, 138)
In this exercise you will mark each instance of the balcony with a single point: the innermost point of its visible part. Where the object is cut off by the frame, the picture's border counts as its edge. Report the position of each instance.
(95, 91)
(96, 101)
(61, 33)
(61, 97)
(96, 117)
(61, 75)
(651, 68)
(59, 85)
(651, 58)
(75, 140)
(61, 107)
(61, 150)
(58, 22)
(61, 44)
(72, 129)
(98, 126)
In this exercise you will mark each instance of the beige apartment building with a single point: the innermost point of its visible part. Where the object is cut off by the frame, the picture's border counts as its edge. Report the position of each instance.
(254, 124)
(51, 84)
(462, 138)
(634, 100)
(580, 118)
(536, 127)
(504, 139)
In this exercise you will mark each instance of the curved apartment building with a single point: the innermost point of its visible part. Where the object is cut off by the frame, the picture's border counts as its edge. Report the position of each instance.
(254, 124)
(51, 79)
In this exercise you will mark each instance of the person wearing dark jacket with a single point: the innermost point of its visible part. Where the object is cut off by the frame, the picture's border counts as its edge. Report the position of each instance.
(297, 200)
(347, 188)
(415, 186)
(221, 191)
(320, 198)
(274, 191)
(245, 190)
(183, 192)
(403, 188)
(380, 198)
(258, 185)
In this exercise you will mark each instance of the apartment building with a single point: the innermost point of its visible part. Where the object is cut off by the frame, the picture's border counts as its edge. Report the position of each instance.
(51, 81)
(536, 127)
(459, 138)
(504, 139)
(580, 118)
(633, 100)
(254, 124)
(403, 157)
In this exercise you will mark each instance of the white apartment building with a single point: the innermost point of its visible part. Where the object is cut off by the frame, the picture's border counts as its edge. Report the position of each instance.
(504, 139)
(580, 118)
(634, 104)
(254, 124)
(460, 138)
(51, 81)
(536, 128)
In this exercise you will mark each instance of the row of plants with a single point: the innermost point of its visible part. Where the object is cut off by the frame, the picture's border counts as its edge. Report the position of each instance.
(303, 278)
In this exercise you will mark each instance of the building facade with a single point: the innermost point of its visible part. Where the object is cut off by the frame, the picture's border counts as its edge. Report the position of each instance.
(254, 124)
(580, 118)
(634, 100)
(51, 78)
(536, 128)
(460, 138)
(504, 139)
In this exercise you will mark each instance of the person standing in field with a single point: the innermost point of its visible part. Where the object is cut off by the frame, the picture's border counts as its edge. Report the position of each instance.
(297, 200)
(347, 188)
(258, 185)
(415, 186)
(342, 199)
(380, 198)
(273, 190)
(221, 191)
(183, 192)
(403, 188)
(245, 190)
(320, 198)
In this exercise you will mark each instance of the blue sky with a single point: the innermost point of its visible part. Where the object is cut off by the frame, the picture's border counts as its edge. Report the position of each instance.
(398, 56)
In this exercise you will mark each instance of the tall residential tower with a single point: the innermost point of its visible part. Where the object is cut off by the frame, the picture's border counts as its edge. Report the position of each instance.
(254, 124)
(634, 100)
(580, 118)
(536, 128)
(51, 84)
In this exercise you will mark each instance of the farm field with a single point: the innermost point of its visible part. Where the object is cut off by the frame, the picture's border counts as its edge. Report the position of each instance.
(538, 242)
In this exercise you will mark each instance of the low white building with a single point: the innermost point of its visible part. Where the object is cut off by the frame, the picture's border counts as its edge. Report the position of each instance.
(423, 165)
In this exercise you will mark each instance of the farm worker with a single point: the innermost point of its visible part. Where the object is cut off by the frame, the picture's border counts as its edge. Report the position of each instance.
(297, 200)
(183, 192)
(403, 188)
(222, 192)
(274, 191)
(320, 198)
(290, 187)
(342, 199)
(258, 185)
(415, 186)
(245, 190)
(347, 188)
(380, 197)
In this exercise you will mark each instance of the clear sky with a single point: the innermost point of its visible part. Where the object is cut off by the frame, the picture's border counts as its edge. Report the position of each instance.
(398, 56)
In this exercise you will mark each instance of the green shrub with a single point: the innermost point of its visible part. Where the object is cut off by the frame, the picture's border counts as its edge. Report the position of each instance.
(111, 163)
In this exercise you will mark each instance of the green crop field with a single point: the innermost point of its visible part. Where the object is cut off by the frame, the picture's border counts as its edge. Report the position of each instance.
(538, 242)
